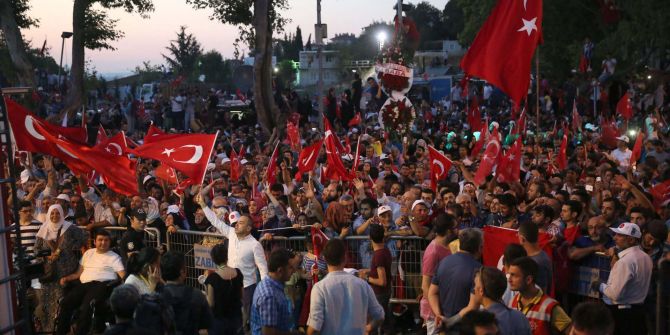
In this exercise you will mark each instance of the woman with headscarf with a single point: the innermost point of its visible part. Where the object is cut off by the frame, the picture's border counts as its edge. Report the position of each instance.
(64, 241)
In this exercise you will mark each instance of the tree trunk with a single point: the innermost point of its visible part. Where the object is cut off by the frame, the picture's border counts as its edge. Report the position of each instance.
(16, 46)
(267, 112)
(75, 93)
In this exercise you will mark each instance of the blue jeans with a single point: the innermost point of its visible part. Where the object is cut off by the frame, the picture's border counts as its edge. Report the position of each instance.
(229, 325)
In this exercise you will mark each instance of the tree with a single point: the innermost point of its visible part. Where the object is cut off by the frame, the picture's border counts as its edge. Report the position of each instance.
(286, 73)
(13, 17)
(217, 70)
(297, 41)
(257, 21)
(92, 29)
(428, 21)
(185, 52)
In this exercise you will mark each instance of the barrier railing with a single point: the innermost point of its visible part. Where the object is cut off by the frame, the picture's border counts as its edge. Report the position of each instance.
(596, 266)
(152, 236)
(407, 253)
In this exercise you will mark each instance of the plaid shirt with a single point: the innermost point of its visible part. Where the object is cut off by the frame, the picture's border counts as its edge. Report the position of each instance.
(270, 307)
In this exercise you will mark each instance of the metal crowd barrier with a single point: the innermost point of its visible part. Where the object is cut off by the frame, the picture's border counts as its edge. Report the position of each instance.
(585, 275)
(152, 236)
(406, 267)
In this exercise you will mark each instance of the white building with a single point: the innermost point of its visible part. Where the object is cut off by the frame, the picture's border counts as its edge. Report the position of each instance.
(309, 68)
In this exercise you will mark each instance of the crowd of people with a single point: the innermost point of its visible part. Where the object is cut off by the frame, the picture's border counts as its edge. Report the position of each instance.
(602, 206)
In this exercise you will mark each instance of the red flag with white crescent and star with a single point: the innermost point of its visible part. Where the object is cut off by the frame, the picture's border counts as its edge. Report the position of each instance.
(502, 51)
(272, 167)
(187, 153)
(116, 144)
(439, 166)
(23, 124)
(661, 193)
(474, 116)
(319, 240)
(489, 159)
(637, 149)
(155, 134)
(624, 107)
(167, 173)
(307, 159)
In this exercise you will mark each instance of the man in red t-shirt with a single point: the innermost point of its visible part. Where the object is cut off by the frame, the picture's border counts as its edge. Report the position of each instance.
(379, 274)
(444, 226)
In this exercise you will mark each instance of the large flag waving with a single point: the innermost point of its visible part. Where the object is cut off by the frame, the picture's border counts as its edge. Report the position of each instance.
(186, 153)
(502, 51)
(439, 166)
(334, 150)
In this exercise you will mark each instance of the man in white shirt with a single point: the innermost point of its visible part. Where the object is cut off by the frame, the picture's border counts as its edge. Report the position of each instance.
(622, 154)
(628, 282)
(342, 303)
(244, 251)
(97, 268)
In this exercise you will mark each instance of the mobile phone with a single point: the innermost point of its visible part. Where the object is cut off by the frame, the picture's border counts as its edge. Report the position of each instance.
(599, 179)
(589, 188)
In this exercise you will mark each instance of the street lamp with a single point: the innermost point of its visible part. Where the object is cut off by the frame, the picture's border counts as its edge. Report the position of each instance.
(381, 37)
(64, 35)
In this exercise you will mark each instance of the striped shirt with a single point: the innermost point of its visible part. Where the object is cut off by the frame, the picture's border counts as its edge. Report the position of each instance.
(28, 236)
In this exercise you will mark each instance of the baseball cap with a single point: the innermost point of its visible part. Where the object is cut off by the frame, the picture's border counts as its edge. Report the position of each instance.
(139, 214)
(64, 197)
(383, 209)
(233, 217)
(623, 138)
(420, 202)
(628, 229)
(25, 176)
(147, 178)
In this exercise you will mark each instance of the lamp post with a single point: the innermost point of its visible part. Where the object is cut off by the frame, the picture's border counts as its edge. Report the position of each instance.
(64, 35)
(381, 37)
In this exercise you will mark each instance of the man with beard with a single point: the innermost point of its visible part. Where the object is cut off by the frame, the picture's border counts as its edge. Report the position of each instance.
(200, 222)
(584, 248)
(361, 227)
(331, 193)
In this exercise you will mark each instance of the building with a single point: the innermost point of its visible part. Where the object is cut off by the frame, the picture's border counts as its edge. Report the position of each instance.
(309, 68)
(343, 39)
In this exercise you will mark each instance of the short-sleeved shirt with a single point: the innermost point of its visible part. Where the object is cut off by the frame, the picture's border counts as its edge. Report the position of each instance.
(270, 307)
(586, 242)
(381, 258)
(100, 267)
(431, 259)
(510, 321)
(131, 241)
(455, 278)
(545, 271)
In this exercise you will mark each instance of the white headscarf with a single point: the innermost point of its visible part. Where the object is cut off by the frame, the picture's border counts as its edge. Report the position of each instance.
(49, 230)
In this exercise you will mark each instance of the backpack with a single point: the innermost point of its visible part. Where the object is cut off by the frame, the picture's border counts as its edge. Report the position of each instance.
(181, 308)
(154, 315)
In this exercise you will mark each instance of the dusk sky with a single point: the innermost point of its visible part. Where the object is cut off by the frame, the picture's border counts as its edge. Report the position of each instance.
(146, 39)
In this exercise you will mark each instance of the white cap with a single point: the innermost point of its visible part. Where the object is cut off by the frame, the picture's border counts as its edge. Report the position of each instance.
(233, 217)
(628, 229)
(420, 202)
(623, 138)
(383, 209)
(244, 161)
(211, 166)
(64, 197)
(225, 160)
(25, 175)
(147, 178)
(173, 209)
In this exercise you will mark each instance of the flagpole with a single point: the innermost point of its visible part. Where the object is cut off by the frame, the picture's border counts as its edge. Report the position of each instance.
(537, 88)
(209, 156)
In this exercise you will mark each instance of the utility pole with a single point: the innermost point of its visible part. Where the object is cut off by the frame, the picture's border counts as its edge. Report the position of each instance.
(319, 48)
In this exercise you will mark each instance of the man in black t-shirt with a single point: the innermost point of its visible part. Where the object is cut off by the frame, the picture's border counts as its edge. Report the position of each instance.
(133, 239)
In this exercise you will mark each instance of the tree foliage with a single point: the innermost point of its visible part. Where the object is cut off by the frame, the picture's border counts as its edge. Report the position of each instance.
(21, 8)
(100, 30)
(289, 47)
(184, 53)
(216, 69)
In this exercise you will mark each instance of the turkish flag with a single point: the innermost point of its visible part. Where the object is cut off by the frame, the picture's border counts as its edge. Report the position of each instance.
(336, 141)
(489, 159)
(483, 136)
(319, 240)
(155, 134)
(497, 238)
(307, 158)
(637, 149)
(234, 165)
(355, 121)
(118, 172)
(509, 168)
(167, 173)
(26, 136)
(474, 117)
(357, 158)
(624, 107)
(101, 136)
(502, 51)
(336, 168)
(186, 153)
(609, 133)
(114, 145)
(293, 134)
(272, 167)
(439, 166)
(661, 193)
(562, 162)
(183, 185)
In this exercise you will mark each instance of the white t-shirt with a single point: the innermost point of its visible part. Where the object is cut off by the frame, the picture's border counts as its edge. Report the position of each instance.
(623, 157)
(100, 267)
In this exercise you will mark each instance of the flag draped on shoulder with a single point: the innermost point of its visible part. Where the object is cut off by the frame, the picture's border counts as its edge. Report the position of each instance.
(503, 48)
